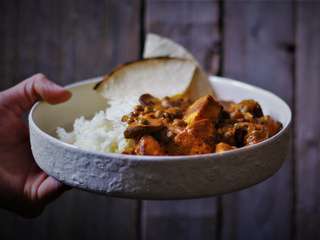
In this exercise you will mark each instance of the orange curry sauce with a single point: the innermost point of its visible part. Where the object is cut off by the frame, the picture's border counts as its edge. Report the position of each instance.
(177, 126)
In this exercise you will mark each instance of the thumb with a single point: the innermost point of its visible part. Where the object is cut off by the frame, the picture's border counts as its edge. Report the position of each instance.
(35, 88)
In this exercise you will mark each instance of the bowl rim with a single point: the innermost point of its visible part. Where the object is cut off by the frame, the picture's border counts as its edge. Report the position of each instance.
(233, 152)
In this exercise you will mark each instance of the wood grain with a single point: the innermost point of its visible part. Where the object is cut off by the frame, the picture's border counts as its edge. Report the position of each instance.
(263, 42)
(307, 142)
(8, 43)
(195, 25)
(258, 49)
(69, 41)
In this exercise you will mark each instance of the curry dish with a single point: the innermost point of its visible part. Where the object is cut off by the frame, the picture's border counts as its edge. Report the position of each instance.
(177, 126)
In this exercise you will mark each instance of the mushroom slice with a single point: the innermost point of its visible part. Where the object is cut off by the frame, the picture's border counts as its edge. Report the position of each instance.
(138, 130)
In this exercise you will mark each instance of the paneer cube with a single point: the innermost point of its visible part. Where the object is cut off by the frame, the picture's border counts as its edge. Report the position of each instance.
(223, 147)
(148, 145)
(203, 108)
(196, 138)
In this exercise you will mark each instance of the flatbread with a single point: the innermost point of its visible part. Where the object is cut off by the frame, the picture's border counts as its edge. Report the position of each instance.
(160, 77)
(157, 46)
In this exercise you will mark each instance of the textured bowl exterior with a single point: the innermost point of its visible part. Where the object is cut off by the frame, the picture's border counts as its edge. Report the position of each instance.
(165, 177)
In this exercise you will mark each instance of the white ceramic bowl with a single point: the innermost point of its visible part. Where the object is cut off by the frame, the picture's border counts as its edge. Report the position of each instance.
(161, 177)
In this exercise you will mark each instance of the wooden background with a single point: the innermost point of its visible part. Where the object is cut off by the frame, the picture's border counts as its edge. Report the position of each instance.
(268, 43)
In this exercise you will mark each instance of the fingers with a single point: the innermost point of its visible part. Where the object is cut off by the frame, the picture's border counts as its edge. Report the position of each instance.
(50, 189)
(43, 191)
(39, 190)
(33, 89)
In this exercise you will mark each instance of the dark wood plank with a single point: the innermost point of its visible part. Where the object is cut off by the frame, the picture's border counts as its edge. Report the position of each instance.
(258, 49)
(11, 25)
(180, 219)
(8, 16)
(307, 120)
(195, 25)
(69, 41)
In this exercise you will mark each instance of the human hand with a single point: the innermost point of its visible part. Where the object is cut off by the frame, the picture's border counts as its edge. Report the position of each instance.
(24, 187)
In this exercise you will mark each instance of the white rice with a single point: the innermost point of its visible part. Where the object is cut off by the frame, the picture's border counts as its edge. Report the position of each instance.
(102, 133)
